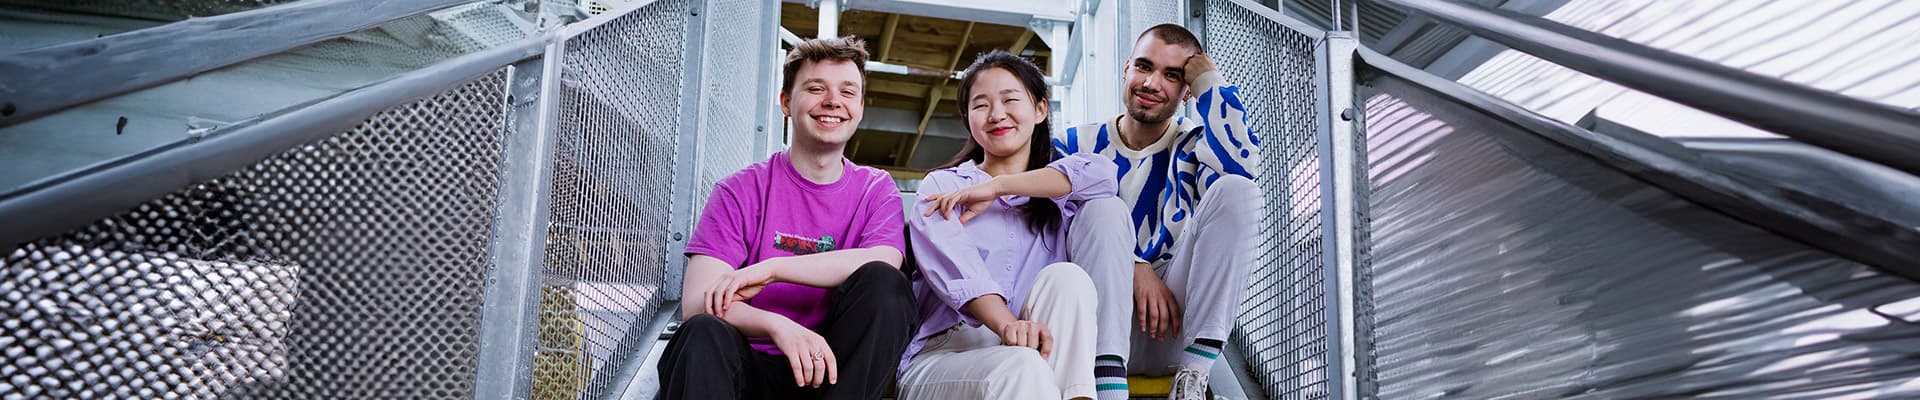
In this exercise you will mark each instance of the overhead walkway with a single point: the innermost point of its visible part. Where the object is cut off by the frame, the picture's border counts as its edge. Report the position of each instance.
(486, 200)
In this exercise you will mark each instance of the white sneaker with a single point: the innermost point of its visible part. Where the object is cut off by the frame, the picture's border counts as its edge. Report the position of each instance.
(1189, 384)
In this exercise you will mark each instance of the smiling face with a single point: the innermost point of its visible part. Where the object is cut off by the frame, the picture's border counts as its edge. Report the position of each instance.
(825, 102)
(1001, 113)
(1156, 79)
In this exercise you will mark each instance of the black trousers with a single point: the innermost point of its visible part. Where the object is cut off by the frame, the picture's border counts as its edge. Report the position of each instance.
(870, 319)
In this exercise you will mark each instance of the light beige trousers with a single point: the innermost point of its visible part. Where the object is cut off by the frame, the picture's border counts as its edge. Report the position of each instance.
(970, 363)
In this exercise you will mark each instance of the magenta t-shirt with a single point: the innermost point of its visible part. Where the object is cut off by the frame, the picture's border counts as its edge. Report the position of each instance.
(768, 210)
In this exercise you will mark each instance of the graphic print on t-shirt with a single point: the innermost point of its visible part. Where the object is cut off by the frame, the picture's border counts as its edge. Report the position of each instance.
(801, 245)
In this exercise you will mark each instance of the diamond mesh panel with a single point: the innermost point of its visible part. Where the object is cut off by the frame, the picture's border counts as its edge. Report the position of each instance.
(731, 68)
(414, 42)
(1510, 267)
(166, 10)
(619, 117)
(1282, 321)
(347, 268)
(1147, 13)
(476, 26)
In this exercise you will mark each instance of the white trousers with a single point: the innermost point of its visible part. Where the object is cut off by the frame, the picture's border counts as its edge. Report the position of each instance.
(970, 363)
(1100, 240)
(1207, 275)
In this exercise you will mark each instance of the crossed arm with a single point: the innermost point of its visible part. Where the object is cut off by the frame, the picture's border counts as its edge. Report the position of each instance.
(713, 287)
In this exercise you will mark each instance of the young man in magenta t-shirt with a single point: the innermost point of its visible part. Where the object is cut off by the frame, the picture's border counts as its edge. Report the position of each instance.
(792, 289)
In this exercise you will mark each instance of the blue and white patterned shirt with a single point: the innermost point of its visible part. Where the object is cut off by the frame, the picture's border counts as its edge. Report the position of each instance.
(1163, 181)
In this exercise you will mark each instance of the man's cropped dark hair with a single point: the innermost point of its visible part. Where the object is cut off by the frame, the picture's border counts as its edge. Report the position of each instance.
(816, 50)
(1173, 34)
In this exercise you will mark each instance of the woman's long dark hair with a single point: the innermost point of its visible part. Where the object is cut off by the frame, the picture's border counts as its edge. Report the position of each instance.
(1040, 214)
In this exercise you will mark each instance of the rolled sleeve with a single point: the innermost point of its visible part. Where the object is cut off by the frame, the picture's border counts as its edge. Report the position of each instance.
(1209, 80)
(949, 259)
(1091, 175)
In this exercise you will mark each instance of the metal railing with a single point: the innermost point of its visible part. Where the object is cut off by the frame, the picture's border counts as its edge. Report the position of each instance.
(495, 226)
(489, 226)
(1871, 131)
(1517, 256)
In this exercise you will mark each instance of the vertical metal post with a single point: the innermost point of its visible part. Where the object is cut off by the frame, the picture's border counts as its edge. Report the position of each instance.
(686, 164)
(1338, 163)
(518, 247)
(1123, 44)
(1336, 15)
(829, 19)
(769, 87)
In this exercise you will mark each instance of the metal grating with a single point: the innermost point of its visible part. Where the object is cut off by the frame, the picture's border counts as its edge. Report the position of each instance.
(164, 10)
(1282, 323)
(607, 239)
(731, 65)
(351, 267)
(480, 26)
(1145, 14)
(1509, 267)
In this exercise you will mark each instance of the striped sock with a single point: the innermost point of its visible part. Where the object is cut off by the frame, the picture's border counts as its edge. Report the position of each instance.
(1201, 354)
(1110, 377)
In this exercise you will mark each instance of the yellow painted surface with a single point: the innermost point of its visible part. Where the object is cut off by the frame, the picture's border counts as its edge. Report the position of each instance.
(1149, 385)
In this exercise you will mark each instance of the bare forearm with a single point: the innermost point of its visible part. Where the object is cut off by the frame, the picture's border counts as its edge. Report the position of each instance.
(828, 269)
(755, 322)
(1044, 183)
(991, 310)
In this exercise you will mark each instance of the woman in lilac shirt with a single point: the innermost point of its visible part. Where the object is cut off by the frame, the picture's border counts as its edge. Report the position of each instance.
(1003, 314)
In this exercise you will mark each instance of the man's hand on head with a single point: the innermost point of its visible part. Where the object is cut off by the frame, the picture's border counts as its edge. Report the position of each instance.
(1198, 64)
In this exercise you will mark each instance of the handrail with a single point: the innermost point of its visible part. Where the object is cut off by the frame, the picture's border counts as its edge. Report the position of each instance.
(1868, 239)
(78, 197)
(1874, 132)
(43, 81)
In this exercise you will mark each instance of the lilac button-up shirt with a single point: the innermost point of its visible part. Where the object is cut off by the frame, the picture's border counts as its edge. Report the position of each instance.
(994, 253)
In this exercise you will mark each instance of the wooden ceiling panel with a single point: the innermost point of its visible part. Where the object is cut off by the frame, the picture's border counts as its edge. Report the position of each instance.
(920, 42)
(923, 42)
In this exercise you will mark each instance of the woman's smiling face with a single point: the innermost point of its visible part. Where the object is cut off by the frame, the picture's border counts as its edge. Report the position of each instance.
(1001, 113)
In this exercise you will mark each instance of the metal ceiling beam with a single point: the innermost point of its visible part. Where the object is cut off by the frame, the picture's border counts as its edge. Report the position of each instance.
(829, 19)
(1003, 12)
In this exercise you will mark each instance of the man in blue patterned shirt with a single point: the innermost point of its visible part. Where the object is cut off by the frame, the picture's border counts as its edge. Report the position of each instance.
(1195, 212)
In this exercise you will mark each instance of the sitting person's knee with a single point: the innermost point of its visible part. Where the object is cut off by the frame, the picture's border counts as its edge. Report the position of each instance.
(704, 324)
(1066, 275)
(883, 275)
(1236, 192)
(1104, 205)
(876, 267)
(1233, 184)
(886, 283)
